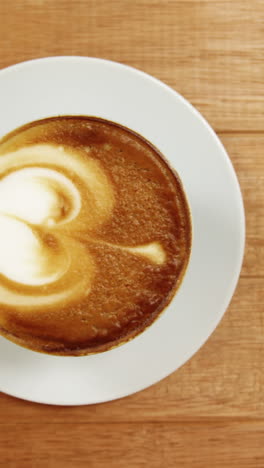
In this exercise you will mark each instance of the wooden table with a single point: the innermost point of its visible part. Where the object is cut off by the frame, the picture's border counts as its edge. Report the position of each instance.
(211, 412)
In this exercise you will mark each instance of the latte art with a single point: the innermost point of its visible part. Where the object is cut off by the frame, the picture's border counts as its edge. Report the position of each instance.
(91, 240)
(35, 202)
(39, 196)
(40, 207)
(26, 258)
(35, 197)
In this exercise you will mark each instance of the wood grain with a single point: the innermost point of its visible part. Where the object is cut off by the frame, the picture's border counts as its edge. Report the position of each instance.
(198, 445)
(210, 413)
(211, 51)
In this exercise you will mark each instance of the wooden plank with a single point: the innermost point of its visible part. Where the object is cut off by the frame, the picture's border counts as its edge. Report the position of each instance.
(211, 51)
(195, 445)
(224, 379)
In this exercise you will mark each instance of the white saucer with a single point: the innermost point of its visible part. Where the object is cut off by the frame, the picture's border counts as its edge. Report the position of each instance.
(88, 86)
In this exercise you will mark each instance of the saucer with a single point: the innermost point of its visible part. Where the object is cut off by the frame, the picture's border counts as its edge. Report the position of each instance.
(87, 86)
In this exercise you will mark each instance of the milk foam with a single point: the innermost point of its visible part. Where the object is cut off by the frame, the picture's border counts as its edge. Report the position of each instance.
(24, 258)
(39, 196)
(48, 195)
(65, 161)
(37, 202)
(34, 196)
(153, 252)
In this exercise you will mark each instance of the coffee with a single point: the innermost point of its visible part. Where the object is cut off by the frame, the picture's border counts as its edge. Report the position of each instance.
(95, 235)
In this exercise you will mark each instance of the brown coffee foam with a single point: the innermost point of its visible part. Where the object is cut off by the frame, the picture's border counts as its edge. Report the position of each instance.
(121, 292)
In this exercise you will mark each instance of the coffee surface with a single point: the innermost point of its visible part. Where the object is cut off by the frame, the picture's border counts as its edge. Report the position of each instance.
(95, 235)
